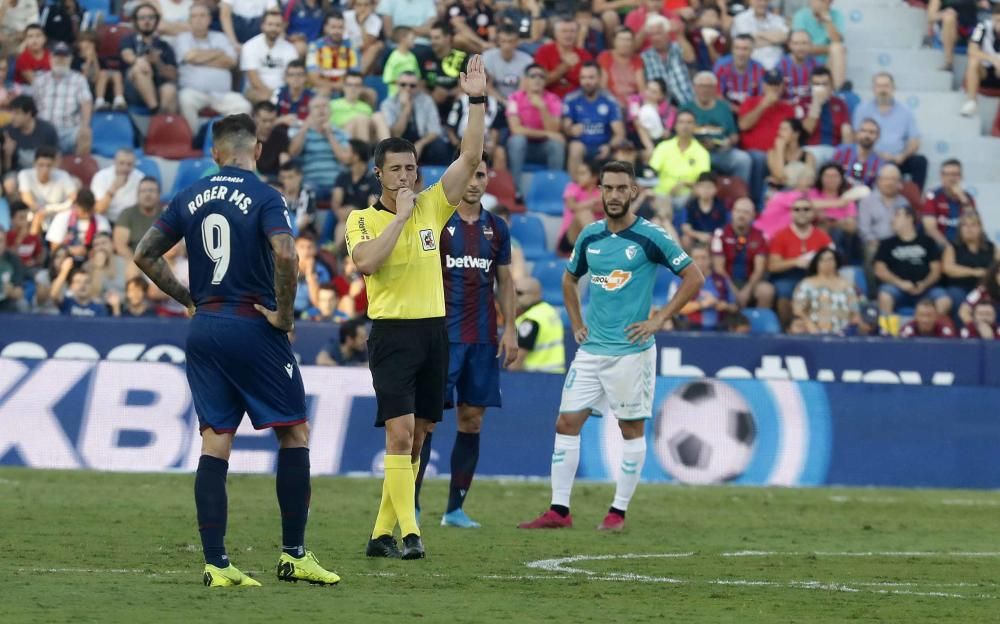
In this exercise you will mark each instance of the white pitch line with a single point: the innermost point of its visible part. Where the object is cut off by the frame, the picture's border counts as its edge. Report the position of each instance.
(900, 553)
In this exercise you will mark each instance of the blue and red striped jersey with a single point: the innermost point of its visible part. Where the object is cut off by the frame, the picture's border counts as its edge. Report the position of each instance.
(834, 115)
(735, 85)
(797, 77)
(226, 221)
(864, 172)
(470, 254)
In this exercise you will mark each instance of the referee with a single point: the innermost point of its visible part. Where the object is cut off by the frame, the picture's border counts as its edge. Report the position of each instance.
(395, 245)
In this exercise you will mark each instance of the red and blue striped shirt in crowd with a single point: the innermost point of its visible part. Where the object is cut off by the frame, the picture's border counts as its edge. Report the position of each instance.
(797, 77)
(864, 172)
(287, 106)
(470, 254)
(834, 115)
(736, 86)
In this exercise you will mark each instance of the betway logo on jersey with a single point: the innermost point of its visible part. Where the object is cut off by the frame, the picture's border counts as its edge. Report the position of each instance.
(613, 280)
(467, 262)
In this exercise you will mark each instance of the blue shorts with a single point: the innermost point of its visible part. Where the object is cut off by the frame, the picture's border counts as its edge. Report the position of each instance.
(906, 300)
(474, 372)
(785, 283)
(236, 367)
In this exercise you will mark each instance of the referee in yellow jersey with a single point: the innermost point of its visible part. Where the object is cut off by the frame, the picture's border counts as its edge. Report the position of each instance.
(395, 245)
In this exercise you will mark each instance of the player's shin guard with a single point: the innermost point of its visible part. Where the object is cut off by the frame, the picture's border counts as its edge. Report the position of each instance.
(425, 458)
(464, 457)
(294, 491)
(630, 471)
(213, 508)
(565, 459)
(399, 481)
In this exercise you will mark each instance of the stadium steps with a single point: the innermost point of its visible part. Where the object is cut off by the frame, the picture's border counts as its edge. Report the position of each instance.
(911, 77)
(937, 114)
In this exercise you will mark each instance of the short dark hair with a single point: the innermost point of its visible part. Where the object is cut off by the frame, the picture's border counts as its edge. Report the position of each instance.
(232, 126)
(952, 162)
(526, 69)
(150, 178)
(349, 329)
(591, 64)
(290, 165)
(85, 199)
(908, 210)
(139, 281)
(814, 263)
(683, 111)
(618, 166)
(444, 27)
(398, 32)
(46, 151)
(258, 107)
(392, 145)
(332, 14)
(707, 176)
(25, 104)
(35, 26)
(822, 70)
(508, 29)
(926, 302)
(361, 149)
(271, 13)
(299, 63)
(353, 73)
(744, 37)
(871, 121)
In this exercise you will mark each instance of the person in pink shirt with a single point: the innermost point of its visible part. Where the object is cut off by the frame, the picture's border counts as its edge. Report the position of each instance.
(651, 115)
(582, 205)
(534, 118)
(834, 199)
(777, 214)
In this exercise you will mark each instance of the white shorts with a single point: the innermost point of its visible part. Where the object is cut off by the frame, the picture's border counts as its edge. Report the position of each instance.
(618, 384)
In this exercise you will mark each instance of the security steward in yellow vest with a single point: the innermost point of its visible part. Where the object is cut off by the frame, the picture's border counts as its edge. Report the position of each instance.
(541, 348)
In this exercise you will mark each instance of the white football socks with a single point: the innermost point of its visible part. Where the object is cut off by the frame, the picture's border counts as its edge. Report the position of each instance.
(633, 457)
(565, 459)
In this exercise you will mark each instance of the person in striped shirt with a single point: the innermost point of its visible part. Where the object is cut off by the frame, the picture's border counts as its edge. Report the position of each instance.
(859, 159)
(739, 76)
(798, 65)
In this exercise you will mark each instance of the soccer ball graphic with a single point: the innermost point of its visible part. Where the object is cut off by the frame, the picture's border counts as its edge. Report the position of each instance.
(705, 433)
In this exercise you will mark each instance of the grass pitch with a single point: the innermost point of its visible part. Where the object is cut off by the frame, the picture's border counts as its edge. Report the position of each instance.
(97, 547)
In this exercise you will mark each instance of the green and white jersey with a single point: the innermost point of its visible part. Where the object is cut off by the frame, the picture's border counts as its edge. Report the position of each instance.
(622, 271)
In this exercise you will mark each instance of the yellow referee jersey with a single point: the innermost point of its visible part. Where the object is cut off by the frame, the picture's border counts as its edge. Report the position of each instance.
(409, 284)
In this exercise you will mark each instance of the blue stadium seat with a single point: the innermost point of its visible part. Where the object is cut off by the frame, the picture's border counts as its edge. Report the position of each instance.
(112, 131)
(148, 166)
(545, 193)
(380, 88)
(431, 174)
(189, 171)
(762, 321)
(207, 144)
(530, 232)
(550, 273)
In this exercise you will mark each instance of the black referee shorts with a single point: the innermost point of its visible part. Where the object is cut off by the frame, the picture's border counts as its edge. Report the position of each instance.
(409, 364)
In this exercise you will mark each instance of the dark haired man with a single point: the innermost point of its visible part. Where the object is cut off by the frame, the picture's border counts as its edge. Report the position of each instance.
(152, 66)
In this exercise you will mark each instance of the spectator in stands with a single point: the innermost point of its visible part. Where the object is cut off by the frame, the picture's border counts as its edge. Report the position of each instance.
(292, 98)
(350, 349)
(739, 251)
(791, 252)
(34, 58)
(330, 58)
(984, 323)
(355, 189)
(152, 65)
(788, 155)
(533, 115)
(860, 160)
(305, 22)
(264, 57)
(137, 303)
(526, 17)
(312, 273)
(98, 76)
(242, 19)
(946, 204)
(769, 32)
(21, 241)
(350, 286)
(15, 18)
(474, 25)
(825, 26)
(705, 212)
(591, 119)
(174, 19)
(582, 205)
(412, 115)
(539, 331)
(205, 79)
(64, 100)
(589, 34)
(927, 322)
(505, 65)
(639, 17)
(825, 116)
(176, 259)
(908, 267)
(79, 301)
(716, 130)
(716, 299)
(761, 117)
(76, 228)
(442, 68)
(400, 60)
(798, 65)
(988, 290)
(25, 134)
(326, 309)
(561, 59)
(740, 77)
(953, 21)
(417, 15)
(899, 137)
(133, 223)
(966, 260)
(877, 211)
(116, 187)
(363, 28)
(458, 120)
(45, 189)
(300, 199)
(321, 149)
(824, 300)
(680, 160)
(835, 204)
(651, 115)
(777, 213)
(273, 139)
(622, 70)
(355, 116)
(708, 36)
(984, 59)
(12, 276)
(667, 60)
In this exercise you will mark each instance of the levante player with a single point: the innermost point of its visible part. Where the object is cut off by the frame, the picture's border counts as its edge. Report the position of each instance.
(243, 270)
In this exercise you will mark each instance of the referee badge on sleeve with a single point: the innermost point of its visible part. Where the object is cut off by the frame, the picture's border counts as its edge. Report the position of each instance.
(427, 240)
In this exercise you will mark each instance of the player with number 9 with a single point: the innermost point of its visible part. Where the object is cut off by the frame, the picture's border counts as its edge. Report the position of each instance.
(243, 271)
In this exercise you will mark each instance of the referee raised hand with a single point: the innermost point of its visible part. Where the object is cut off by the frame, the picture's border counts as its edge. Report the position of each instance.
(395, 244)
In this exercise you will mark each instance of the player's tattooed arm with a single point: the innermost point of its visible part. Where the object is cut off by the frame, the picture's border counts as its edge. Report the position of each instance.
(286, 273)
(149, 258)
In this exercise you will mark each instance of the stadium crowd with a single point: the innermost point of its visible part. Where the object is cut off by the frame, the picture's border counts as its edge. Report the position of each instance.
(789, 192)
